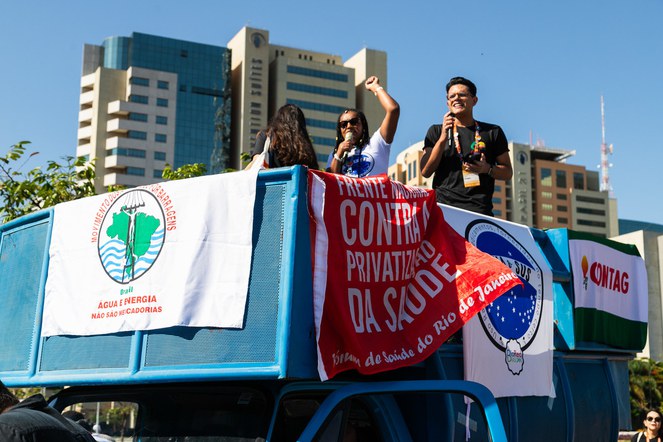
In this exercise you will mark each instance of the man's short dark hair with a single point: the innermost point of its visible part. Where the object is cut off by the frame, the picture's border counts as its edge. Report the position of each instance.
(7, 398)
(465, 82)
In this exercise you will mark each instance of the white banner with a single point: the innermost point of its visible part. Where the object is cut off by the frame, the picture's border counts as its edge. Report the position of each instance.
(157, 256)
(508, 346)
(609, 280)
(610, 292)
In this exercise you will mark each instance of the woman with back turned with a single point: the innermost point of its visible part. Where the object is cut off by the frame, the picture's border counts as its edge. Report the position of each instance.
(287, 140)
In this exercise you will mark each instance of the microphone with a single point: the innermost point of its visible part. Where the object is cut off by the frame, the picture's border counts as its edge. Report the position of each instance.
(450, 133)
(348, 137)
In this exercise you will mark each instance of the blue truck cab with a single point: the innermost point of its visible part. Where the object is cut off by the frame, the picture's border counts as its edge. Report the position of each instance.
(261, 383)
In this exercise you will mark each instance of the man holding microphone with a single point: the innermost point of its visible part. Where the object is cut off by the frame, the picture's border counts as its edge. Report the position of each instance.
(466, 155)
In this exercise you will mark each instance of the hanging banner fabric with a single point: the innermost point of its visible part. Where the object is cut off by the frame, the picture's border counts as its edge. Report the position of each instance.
(508, 346)
(610, 289)
(392, 281)
(157, 256)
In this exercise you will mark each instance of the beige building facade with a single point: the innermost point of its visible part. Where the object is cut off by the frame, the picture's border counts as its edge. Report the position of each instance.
(650, 246)
(127, 139)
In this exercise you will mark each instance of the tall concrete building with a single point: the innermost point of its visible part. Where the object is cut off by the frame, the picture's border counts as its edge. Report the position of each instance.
(562, 194)
(147, 101)
(267, 76)
(544, 192)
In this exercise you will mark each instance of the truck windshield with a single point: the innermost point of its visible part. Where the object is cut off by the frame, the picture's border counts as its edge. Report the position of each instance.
(226, 414)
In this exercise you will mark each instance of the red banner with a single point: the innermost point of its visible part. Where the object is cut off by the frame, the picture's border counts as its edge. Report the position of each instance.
(392, 280)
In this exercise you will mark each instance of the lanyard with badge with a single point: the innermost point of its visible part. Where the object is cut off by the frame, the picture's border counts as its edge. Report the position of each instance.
(470, 179)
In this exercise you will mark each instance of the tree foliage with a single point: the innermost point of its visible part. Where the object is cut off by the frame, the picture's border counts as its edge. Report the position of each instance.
(183, 172)
(22, 192)
(646, 385)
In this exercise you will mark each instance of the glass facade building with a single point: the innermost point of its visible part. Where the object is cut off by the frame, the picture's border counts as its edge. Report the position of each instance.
(202, 126)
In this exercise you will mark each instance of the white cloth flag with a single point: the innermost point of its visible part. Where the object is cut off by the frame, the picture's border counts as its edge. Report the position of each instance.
(508, 346)
(157, 256)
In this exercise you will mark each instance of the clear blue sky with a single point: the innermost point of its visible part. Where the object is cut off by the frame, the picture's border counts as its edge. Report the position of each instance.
(540, 66)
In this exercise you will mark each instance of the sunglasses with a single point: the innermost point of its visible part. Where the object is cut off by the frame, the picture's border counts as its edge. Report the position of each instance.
(653, 419)
(352, 121)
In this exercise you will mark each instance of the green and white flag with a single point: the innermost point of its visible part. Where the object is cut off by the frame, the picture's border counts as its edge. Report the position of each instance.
(610, 287)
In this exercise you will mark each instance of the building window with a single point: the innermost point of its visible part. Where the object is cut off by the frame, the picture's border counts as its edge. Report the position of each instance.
(184, 53)
(578, 181)
(160, 138)
(139, 81)
(318, 74)
(316, 90)
(160, 156)
(562, 220)
(137, 116)
(324, 141)
(142, 99)
(561, 196)
(316, 106)
(587, 211)
(161, 119)
(137, 135)
(547, 218)
(497, 212)
(312, 122)
(137, 171)
(589, 199)
(584, 222)
(498, 188)
(497, 200)
(124, 152)
(546, 194)
(163, 84)
(562, 209)
(182, 87)
(546, 177)
(560, 176)
(158, 173)
(162, 102)
(546, 206)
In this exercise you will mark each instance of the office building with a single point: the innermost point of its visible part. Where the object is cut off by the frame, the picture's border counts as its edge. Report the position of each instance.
(544, 192)
(406, 169)
(560, 194)
(267, 76)
(148, 101)
(649, 242)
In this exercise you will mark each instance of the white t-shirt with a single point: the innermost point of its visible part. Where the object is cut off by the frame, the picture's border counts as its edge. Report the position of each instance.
(372, 159)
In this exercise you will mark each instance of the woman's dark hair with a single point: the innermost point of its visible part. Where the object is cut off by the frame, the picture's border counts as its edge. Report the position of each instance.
(365, 138)
(650, 410)
(290, 141)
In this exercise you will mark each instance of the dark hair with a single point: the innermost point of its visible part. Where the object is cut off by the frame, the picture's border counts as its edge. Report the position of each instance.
(7, 399)
(365, 138)
(465, 82)
(290, 141)
(649, 410)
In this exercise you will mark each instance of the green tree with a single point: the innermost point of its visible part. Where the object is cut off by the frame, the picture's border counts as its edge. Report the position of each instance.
(22, 193)
(183, 172)
(646, 385)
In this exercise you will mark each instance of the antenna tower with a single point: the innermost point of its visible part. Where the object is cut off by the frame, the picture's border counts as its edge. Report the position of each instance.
(605, 150)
